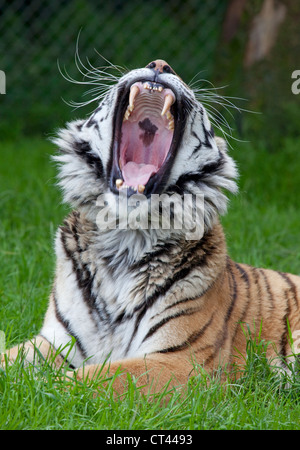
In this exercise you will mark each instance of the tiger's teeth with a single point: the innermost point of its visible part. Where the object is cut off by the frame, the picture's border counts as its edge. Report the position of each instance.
(170, 119)
(141, 188)
(127, 114)
(169, 100)
(171, 125)
(119, 183)
(134, 91)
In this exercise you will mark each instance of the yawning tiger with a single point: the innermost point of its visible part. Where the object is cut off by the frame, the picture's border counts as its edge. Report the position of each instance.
(153, 300)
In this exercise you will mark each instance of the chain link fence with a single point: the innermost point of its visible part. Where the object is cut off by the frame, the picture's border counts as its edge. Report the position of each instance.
(35, 35)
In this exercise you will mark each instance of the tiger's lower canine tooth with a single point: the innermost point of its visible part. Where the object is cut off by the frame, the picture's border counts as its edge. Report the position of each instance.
(127, 114)
(119, 183)
(141, 188)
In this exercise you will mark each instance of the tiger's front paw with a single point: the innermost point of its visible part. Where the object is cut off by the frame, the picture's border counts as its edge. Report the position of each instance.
(9, 356)
(35, 351)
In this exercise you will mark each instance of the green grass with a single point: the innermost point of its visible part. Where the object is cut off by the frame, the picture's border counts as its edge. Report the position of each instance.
(262, 228)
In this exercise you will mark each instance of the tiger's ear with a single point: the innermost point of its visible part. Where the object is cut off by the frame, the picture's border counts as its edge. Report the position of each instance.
(221, 144)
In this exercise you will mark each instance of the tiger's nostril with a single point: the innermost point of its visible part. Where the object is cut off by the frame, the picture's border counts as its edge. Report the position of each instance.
(160, 66)
(152, 65)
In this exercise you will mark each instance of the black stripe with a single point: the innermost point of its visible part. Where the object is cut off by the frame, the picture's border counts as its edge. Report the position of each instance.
(268, 288)
(161, 290)
(151, 300)
(195, 297)
(197, 148)
(85, 280)
(102, 312)
(70, 366)
(292, 286)
(284, 335)
(243, 274)
(66, 324)
(161, 249)
(202, 173)
(197, 177)
(208, 135)
(187, 312)
(65, 360)
(84, 151)
(193, 260)
(246, 279)
(83, 276)
(191, 339)
(233, 293)
(190, 260)
(291, 289)
(255, 273)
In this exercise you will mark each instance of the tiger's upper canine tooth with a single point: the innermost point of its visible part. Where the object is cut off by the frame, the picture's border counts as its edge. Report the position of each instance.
(134, 91)
(169, 100)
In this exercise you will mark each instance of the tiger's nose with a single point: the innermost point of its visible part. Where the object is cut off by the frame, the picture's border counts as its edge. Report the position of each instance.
(160, 66)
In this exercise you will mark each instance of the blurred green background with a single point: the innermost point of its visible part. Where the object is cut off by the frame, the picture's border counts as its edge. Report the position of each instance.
(206, 39)
(35, 35)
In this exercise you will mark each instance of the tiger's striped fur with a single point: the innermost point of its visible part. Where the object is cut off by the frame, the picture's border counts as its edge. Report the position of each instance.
(152, 301)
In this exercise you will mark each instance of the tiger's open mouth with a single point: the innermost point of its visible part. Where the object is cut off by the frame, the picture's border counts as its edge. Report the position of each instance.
(146, 137)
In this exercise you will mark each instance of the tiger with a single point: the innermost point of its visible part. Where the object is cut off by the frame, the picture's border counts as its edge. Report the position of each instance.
(153, 302)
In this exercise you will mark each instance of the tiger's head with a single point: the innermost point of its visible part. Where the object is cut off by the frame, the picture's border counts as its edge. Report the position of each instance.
(149, 135)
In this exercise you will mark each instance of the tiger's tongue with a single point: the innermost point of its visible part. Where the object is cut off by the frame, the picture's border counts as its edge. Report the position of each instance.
(135, 174)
